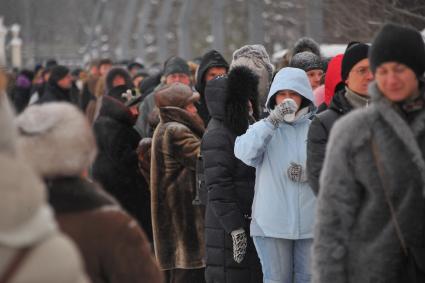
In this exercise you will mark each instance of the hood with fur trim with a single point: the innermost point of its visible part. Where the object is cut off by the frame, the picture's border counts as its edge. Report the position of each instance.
(227, 98)
(57, 139)
(115, 72)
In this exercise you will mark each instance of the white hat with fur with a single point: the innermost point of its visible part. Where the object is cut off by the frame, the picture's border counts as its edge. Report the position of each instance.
(57, 139)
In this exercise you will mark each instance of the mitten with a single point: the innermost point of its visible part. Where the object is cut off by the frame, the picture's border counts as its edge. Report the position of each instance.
(297, 173)
(240, 240)
(285, 111)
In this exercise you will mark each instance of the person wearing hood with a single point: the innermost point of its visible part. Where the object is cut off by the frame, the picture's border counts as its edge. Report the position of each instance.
(350, 94)
(233, 103)
(116, 165)
(212, 65)
(284, 204)
(32, 249)
(370, 211)
(59, 87)
(177, 224)
(113, 246)
(175, 70)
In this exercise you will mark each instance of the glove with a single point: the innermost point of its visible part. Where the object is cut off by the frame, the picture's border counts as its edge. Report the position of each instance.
(285, 111)
(296, 173)
(239, 244)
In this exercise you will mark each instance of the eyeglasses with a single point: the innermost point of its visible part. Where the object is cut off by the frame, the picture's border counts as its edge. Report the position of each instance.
(362, 71)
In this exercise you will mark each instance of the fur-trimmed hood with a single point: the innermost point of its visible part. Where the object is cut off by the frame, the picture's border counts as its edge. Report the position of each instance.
(114, 72)
(227, 98)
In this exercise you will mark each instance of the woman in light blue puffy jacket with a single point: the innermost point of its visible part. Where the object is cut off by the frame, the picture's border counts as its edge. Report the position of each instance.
(284, 204)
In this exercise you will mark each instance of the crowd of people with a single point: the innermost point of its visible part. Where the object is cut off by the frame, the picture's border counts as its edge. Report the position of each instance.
(219, 172)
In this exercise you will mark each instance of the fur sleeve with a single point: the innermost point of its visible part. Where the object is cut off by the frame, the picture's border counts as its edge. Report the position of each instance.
(337, 207)
(184, 145)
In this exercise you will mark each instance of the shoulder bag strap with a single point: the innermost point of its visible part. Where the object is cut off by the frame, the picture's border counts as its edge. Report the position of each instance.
(14, 265)
(384, 182)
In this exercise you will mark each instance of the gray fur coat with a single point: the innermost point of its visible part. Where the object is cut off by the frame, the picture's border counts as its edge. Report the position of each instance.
(355, 239)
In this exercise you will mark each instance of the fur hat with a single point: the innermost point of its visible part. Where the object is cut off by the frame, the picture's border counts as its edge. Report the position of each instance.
(57, 139)
(255, 58)
(176, 65)
(175, 94)
(58, 72)
(355, 52)
(22, 191)
(306, 44)
(399, 44)
(306, 61)
(118, 72)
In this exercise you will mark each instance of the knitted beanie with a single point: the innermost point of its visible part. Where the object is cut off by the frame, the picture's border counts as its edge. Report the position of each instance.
(355, 52)
(306, 61)
(176, 65)
(398, 44)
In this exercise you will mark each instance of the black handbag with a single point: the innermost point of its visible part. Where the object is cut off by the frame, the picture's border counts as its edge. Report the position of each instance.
(412, 271)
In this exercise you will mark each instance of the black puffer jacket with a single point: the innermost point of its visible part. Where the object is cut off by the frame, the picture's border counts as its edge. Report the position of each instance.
(209, 60)
(318, 136)
(230, 182)
(116, 166)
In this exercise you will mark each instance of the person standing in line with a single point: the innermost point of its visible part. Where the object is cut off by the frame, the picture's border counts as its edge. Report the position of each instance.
(284, 204)
(351, 94)
(233, 104)
(177, 224)
(371, 202)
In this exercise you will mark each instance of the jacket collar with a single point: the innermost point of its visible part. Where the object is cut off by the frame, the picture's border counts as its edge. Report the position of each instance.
(176, 114)
(407, 134)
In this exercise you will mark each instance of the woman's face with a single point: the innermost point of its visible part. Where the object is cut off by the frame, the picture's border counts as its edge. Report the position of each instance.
(396, 81)
(283, 94)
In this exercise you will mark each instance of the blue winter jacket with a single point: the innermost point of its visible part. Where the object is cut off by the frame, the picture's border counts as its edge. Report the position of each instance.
(281, 208)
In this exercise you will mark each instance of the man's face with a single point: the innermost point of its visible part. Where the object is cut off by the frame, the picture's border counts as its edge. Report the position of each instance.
(396, 81)
(315, 76)
(65, 82)
(359, 77)
(214, 72)
(177, 78)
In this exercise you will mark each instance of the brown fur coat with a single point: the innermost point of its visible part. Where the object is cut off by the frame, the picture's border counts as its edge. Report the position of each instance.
(178, 226)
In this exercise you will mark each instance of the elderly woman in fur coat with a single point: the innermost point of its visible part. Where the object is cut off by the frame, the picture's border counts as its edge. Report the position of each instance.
(373, 179)
(232, 103)
(59, 143)
(178, 226)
